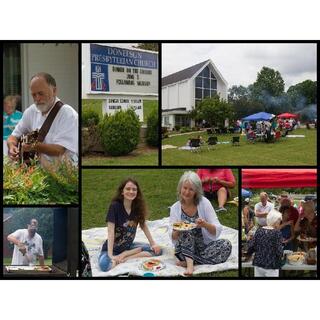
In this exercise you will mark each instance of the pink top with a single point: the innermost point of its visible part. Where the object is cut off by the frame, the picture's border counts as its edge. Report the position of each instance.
(222, 174)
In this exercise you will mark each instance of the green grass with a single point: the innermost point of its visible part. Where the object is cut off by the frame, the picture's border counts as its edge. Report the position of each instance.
(139, 157)
(287, 151)
(96, 105)
(158, 186)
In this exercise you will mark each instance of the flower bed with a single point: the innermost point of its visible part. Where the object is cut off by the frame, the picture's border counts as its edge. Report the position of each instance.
(58, 184)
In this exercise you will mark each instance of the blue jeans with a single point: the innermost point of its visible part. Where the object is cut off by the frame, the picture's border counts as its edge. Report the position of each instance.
(105, 262)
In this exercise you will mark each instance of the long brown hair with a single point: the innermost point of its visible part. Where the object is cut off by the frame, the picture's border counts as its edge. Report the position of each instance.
(138, 204)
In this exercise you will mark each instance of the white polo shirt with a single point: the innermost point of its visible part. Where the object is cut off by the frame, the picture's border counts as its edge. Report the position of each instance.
(33, 245)
(266, 209)
(63, 131)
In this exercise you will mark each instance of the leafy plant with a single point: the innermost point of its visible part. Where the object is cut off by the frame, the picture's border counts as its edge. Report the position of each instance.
(152, 129)
(120, 132)
(90, 118)
(33, 185)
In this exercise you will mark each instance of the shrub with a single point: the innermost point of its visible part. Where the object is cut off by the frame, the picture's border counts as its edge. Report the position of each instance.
(177, 127)
(152, 129)
(120, 132)
(90, 118)
(185, 129)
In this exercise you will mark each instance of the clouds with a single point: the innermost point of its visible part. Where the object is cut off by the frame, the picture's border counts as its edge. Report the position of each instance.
(239, 63)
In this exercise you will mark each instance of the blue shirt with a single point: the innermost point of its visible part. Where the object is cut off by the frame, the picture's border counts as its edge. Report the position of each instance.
(9, 123)
(125, 227)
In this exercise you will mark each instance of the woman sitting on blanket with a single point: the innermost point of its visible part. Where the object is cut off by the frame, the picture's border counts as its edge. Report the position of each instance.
(199, 245)
(126, 212)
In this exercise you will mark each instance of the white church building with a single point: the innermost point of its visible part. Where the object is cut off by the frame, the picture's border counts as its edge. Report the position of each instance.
(183, 89)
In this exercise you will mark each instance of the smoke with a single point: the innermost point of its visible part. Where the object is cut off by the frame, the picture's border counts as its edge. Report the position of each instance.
(309, 113)
(274, 104)
(285, 103)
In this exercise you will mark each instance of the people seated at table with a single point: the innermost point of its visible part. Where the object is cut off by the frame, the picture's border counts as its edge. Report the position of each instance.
(251, 135)
(262, 209)
(216, 184)
(267, 246)
(287, 230)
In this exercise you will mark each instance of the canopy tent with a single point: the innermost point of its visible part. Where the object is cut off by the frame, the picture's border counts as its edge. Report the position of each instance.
(288, 115)
(260, 116)
(279, 178)
(246, 193)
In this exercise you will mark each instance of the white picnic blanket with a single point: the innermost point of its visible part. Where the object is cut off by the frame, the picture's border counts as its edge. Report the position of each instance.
(187, 148)
(94, 238)
(168, 146)
(295, 136)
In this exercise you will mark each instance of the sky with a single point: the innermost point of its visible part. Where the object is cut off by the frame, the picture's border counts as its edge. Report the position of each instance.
(239, 63)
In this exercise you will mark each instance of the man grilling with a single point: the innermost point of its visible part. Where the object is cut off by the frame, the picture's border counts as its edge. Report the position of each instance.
(28, 246)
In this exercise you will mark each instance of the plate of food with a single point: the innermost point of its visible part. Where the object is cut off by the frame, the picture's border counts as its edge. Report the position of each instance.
(296, 258)
(304, 238)
(184, 226)
(42, 268)
(153, 265)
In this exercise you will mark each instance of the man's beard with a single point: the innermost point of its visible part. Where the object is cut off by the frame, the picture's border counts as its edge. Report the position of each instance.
(44, 107)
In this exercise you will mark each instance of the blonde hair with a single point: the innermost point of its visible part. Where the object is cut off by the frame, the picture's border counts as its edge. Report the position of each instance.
(273, 217)
(12, 99)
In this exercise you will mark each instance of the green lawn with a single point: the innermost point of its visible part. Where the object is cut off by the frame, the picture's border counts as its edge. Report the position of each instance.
(287, 151)
(96, 105)
(158, 186)
(159, 189)
(144, 156)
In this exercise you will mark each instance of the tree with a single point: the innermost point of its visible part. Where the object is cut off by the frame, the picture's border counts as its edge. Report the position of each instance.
(245, 106)
(238, 92)
(214, 111)
(269, 83)
(151, 46)
(303, 94)
(269, 90)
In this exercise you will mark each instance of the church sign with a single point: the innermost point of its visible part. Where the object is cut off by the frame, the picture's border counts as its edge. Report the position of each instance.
(123, 71)
(114, 104)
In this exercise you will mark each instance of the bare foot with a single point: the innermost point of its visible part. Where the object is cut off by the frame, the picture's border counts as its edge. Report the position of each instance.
(182, 264)
(189, 271)
(114, 263)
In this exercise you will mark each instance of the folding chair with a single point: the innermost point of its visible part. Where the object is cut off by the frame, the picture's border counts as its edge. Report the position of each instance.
(212, 141)
(235, 141)
(195, 145)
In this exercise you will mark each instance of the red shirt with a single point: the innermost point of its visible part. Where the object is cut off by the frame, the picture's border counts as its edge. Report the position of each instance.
(221, 174)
